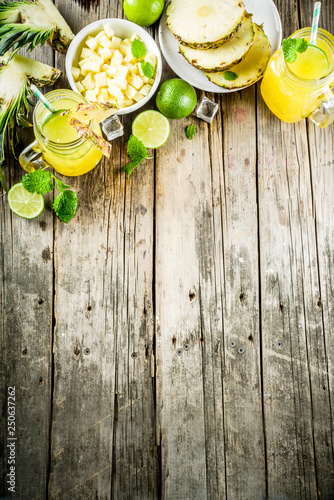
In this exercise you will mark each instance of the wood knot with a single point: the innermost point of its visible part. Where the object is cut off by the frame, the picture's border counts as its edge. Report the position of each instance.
(242, 297)
(281, 307)
(89, 308)
(250, 338)
(41, 381)
(40, 302)
(201, 340)
(319, 303)
(173, 340)
(192, 295)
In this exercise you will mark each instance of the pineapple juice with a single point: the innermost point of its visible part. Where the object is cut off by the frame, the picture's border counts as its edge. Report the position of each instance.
(293, 91)
(60, 144)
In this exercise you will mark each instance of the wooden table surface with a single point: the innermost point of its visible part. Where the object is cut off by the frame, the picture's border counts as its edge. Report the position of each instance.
(175, 340)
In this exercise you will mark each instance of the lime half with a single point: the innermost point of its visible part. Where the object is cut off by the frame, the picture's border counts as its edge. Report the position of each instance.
(152, 128)
(25, 204)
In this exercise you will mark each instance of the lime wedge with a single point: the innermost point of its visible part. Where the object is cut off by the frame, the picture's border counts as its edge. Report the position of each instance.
(152, 128)
(25, 204)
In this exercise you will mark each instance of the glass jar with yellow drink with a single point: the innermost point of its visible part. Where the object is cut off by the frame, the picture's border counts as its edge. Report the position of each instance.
(293, 91)
(57, 143)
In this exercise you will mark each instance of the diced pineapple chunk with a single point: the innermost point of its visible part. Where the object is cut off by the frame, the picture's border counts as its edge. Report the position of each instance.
(88, 82)
(112, 99)
(120, 81)
(145, 90)
(129, 58)
(151, 81)
(120, 102)
(130, 92)
(133, 68)
(93, 66)
(91, 55)
(75, 72)
(137, 97)
(99, 36)
(82, 62)
(123, 48)
(108, 31)
(105, 42)
(80, 87)
(105, 53)
(112, 70)
(91, 95)
(117, 58)
(134, 36)
(151, 58)
(115, 92)
(145, 79)
(85, 53)
(135, 81)
(122, 71)
(100, 79)
(105, 94)
(128, 102)
(91, 42)
(115, 42)
(127, 42)
(100, 98)
(105, 67)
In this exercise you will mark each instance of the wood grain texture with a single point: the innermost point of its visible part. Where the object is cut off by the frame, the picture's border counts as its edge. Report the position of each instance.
(176, 336)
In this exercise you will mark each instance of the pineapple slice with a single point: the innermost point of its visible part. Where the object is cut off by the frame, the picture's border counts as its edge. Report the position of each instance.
(226, 55)
(251, 68)
(204, 23)
(87, 133)
(96, 111)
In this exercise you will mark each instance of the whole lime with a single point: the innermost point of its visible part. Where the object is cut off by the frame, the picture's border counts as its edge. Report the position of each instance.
(176, 99)
(143, 12)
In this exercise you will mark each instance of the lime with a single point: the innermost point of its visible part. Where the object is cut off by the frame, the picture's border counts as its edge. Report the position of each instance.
(311, 64)
(143, 12)
(152, 128)
(25, 204)
(176, 98)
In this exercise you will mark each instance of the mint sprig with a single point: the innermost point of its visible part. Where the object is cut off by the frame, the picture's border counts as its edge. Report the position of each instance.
(138, 49)
(292, 46)
(40, 181)
(137, 153)
(230, 76)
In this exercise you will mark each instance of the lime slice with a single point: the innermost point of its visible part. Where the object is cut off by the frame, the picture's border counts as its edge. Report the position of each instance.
(25, 204)
(152, 128)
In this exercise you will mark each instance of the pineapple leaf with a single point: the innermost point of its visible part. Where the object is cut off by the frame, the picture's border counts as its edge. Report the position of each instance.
(28, 24)
(16, 75)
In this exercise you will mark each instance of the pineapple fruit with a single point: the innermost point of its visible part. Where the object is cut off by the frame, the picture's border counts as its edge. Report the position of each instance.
(107, 72)
(204, 24)
(251, 68)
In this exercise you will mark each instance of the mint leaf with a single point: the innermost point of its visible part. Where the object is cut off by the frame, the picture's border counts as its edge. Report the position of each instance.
(138, 49)
(131, 166)
(38, 181)
(61, 185)
(65, 205)
(190, 131)
(230, 76)
(147, 69)
(136, 149)
(291, 46)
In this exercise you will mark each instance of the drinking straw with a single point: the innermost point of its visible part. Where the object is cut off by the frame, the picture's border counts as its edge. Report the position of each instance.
(40, 96)
(315, 23)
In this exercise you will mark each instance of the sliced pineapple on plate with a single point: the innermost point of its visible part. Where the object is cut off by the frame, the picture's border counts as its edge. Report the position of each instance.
(204, 23)
(250, 69)
(227, 54)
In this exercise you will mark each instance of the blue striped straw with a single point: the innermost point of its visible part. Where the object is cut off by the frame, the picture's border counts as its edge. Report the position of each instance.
(315, 23)
(40, 96)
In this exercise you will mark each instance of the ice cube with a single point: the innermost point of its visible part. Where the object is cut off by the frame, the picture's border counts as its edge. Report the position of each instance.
(206, 110)
(112, 127)
(324, 115)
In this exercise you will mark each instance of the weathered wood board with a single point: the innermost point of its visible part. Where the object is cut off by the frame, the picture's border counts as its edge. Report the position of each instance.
(174, 341)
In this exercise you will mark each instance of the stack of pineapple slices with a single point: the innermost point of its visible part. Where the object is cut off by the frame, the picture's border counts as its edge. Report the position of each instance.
(219, 38)
(108, 72)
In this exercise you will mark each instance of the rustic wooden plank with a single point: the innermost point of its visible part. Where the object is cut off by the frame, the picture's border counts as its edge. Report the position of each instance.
(104, 401)
(298, 412)
(26, 305)
(244, 430)
(196, 198)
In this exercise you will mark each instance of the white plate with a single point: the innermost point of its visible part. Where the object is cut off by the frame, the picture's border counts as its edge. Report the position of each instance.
(264, 11)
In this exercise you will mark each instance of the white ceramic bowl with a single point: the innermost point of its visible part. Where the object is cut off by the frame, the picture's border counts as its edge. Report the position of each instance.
(122, 29)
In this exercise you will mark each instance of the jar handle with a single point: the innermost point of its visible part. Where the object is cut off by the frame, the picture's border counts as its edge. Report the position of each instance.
(31, 158)
(324, 115)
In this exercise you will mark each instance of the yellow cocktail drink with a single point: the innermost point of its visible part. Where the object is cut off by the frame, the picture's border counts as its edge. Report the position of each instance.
(59, 143)
(292, 91)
